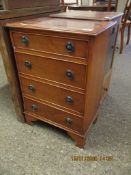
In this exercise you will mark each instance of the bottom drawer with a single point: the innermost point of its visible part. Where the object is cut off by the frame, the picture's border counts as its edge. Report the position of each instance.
(44, 111)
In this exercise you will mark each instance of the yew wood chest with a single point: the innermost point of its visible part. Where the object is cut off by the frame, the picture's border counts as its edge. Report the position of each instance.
(64, 68)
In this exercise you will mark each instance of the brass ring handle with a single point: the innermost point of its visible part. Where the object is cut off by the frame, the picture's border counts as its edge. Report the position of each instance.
(34, 107)
(69, 100)
(69, 121)
(69, 74)
(31, 87)
(28, 64)
(70, 47)
(25, 40)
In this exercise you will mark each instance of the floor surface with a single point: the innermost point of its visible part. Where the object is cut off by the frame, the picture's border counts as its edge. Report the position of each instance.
(46, 150)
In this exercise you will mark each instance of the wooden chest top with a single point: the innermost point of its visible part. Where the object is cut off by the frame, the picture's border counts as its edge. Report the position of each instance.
(82, 27)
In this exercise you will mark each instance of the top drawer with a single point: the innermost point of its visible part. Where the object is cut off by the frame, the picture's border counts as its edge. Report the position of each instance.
(50, 44)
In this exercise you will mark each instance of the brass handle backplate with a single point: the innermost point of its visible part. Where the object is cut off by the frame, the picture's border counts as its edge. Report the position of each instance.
(69, 100)
(25, 40)
(34, 107)
(70, 47)
(69, 121)
(28, 64)
(31, 87)
(70, 74)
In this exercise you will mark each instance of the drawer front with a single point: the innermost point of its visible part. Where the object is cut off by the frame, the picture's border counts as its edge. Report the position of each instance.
(55, 70)
(53, 94)
(50, 44)
(52, 114)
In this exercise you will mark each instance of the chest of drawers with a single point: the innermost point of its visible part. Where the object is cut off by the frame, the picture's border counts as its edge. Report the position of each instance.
(61, 65)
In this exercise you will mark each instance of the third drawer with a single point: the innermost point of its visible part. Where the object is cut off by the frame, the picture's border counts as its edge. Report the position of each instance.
(53, 94)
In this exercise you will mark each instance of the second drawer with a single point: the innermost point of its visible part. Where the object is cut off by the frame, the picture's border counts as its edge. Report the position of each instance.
(53, 94)
(71, 74)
